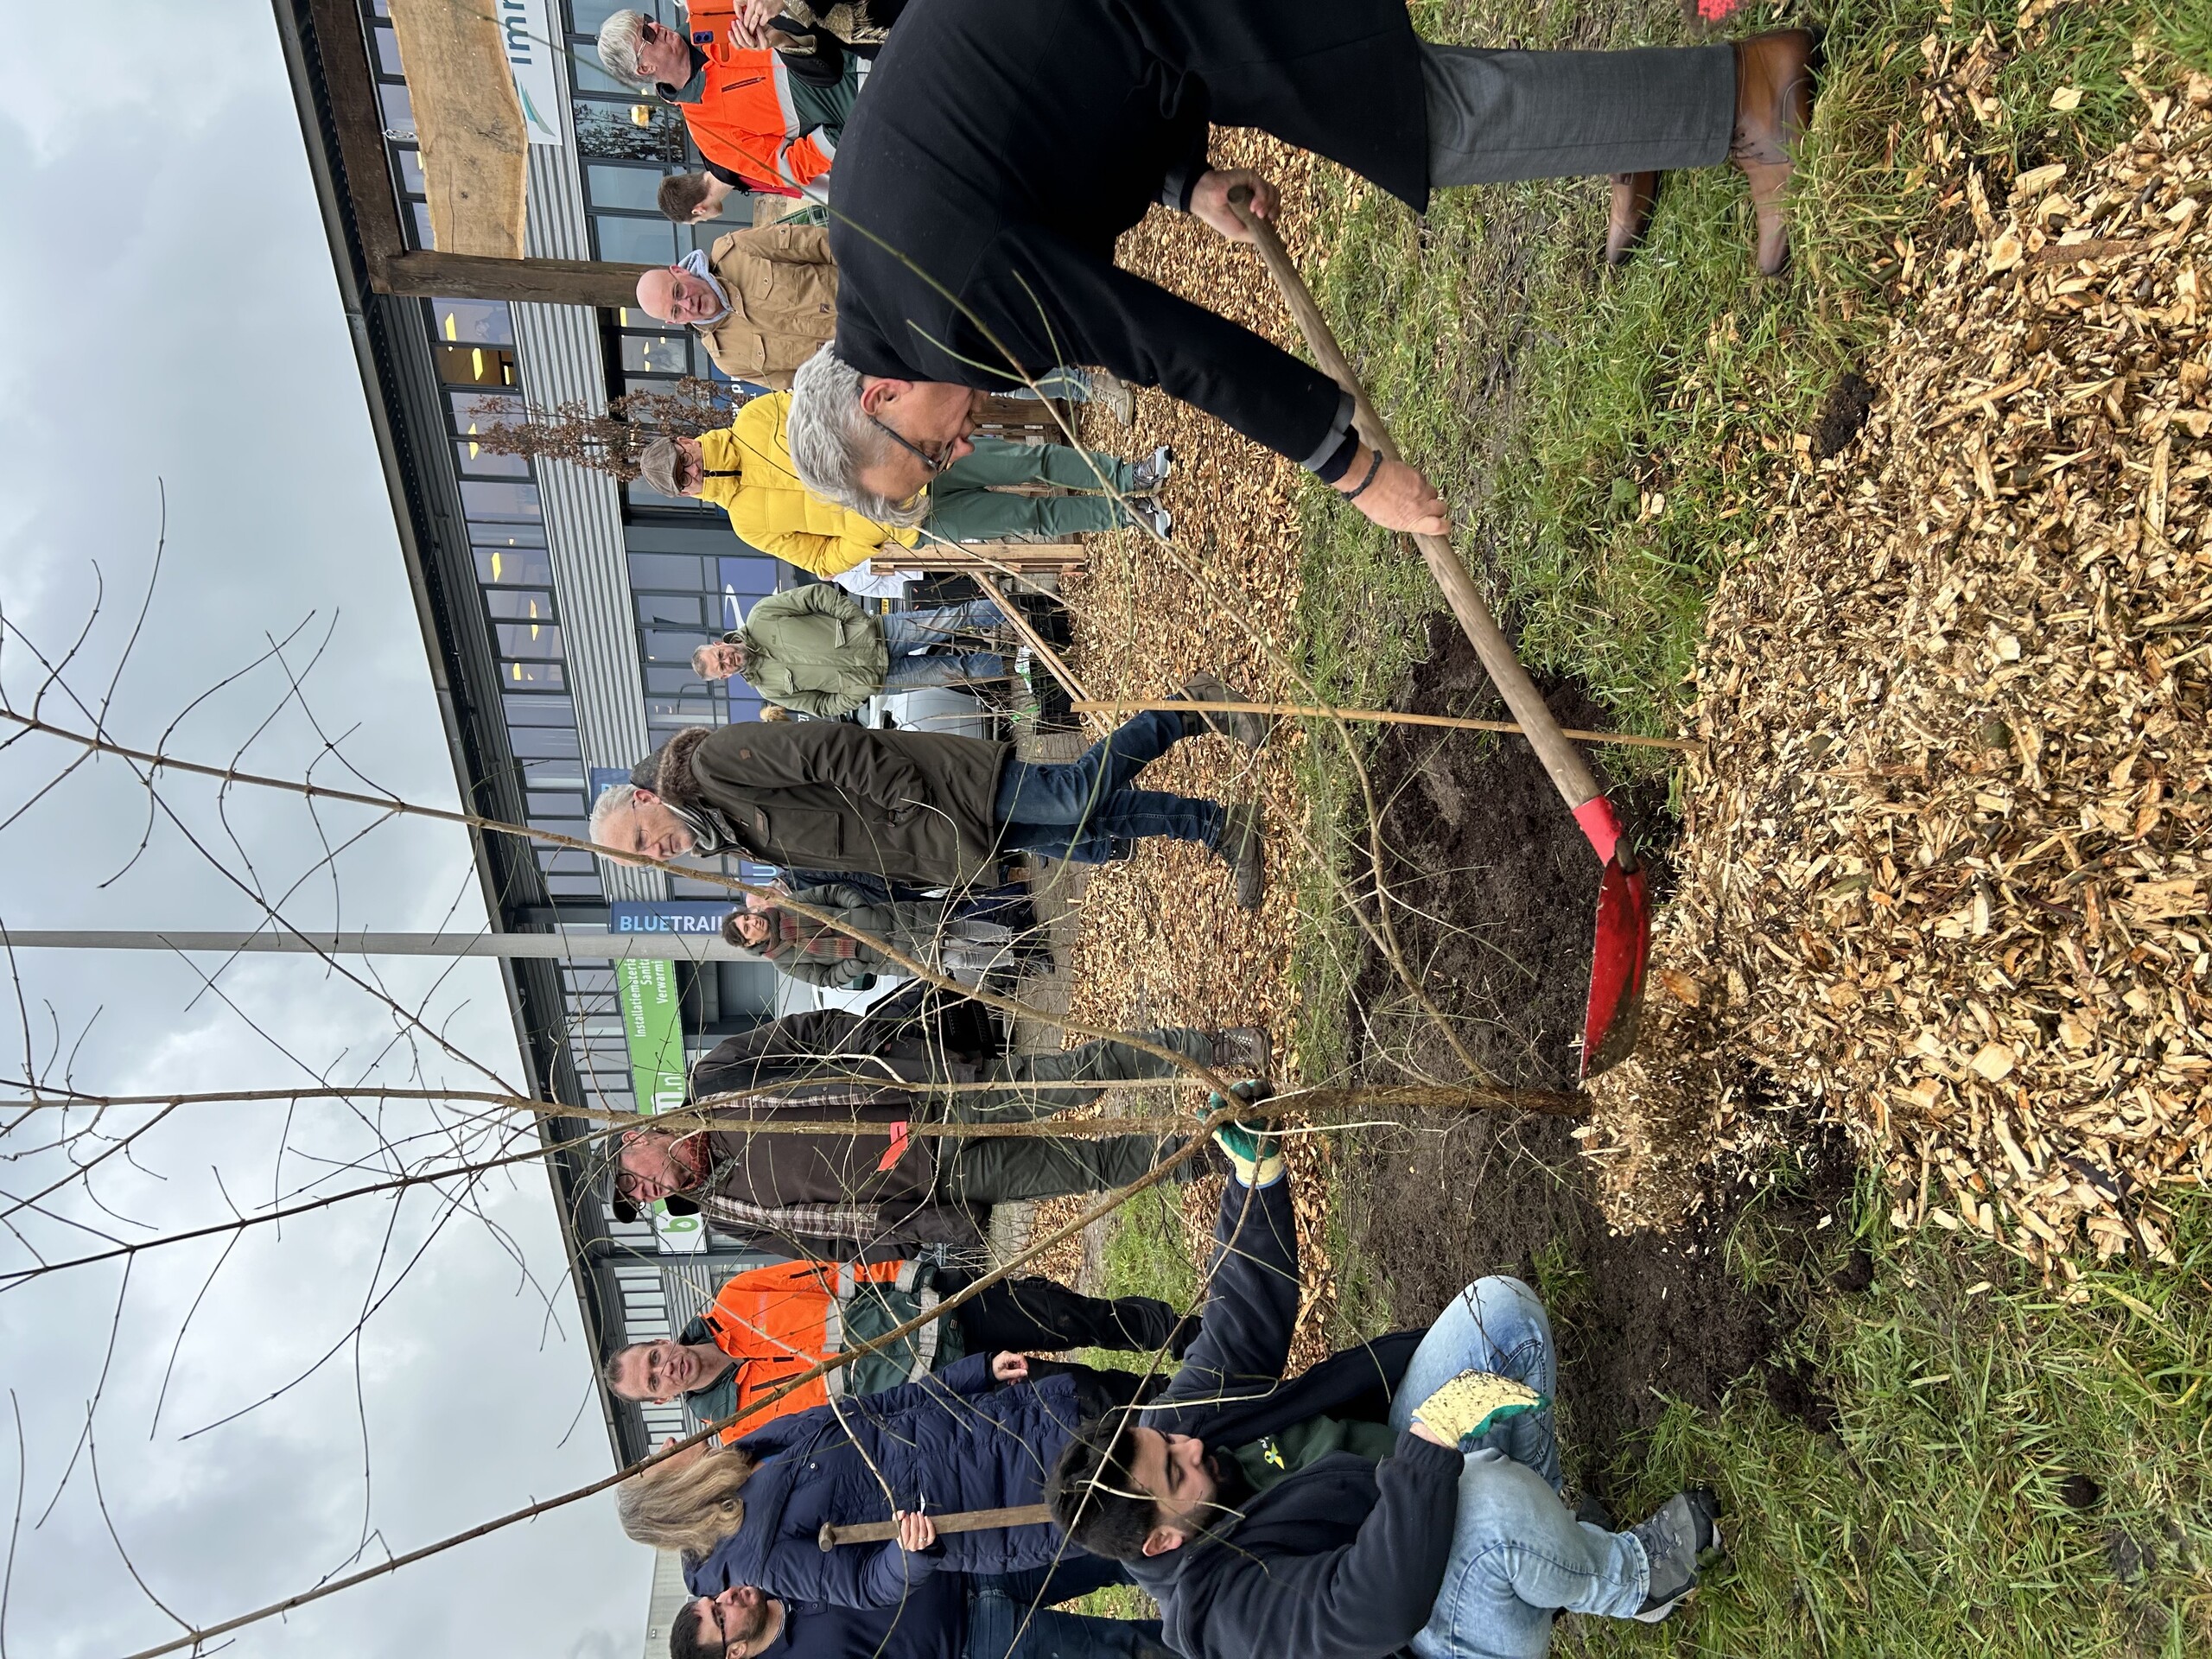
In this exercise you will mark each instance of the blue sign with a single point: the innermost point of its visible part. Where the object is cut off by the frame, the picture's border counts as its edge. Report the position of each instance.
(688, 916)
(605, 778)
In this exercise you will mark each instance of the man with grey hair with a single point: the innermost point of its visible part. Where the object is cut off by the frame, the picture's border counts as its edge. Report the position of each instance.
(772, 117)
(975, 234)
(929, 808)
(813, 648)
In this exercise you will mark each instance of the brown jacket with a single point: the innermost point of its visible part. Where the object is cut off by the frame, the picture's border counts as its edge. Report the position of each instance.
(823, 795)
(783, 302)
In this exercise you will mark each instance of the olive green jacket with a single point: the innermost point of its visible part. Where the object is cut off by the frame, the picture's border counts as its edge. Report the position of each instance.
(813, 649)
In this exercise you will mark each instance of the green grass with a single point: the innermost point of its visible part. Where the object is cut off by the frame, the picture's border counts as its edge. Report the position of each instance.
(1930, 1522)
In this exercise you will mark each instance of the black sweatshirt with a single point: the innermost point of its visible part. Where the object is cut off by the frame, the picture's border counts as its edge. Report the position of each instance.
(999, 150)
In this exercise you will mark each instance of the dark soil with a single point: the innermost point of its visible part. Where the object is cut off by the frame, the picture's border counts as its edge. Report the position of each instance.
(1495, 887)
(1842, 413)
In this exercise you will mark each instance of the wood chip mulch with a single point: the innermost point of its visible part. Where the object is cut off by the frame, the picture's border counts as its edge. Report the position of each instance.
(1947, 872)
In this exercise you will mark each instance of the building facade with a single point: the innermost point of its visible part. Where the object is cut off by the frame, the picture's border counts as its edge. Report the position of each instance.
(559, 608)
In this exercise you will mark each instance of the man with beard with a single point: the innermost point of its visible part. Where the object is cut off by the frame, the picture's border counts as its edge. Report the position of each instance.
(946, 1617)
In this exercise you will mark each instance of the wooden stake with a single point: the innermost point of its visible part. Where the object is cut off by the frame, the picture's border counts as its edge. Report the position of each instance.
(1685, 745)
(1019, 624)
(877, 1532)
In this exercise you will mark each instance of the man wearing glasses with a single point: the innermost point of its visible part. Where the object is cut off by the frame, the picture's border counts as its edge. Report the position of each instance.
(944, 1617)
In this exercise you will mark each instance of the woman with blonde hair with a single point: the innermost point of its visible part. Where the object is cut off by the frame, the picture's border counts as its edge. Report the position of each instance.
(688, 1503)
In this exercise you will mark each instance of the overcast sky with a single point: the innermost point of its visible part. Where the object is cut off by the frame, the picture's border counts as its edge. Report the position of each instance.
(168, 312)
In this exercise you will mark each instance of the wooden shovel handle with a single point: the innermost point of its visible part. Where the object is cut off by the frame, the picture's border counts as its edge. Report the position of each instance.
(1570, 773)
(877, 1532)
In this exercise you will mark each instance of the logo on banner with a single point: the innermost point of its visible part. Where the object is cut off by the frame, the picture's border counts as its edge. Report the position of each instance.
(529, 55)
(652, 1029)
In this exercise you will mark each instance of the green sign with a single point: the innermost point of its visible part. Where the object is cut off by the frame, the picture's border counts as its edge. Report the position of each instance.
(652, 1027)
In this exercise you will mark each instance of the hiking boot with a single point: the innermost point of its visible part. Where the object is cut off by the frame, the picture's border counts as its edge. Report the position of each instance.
(1241, 1049)
(1245, 848)
(1250, 730)
(1111, 393)
(1773, 105)
(1148, 514)
(1152, 472)
(1681, 1530)
(1631, 217)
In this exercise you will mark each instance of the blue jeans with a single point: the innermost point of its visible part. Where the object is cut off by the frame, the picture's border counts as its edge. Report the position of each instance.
(906, 632)
(1517, 1555)
(1078, 810)
(1007, 1621)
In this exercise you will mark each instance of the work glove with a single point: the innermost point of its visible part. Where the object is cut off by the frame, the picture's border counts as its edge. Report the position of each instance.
(1254, 1152)
(1474, 1403)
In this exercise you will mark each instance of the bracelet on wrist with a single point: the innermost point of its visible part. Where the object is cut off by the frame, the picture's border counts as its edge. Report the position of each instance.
(1373, 467)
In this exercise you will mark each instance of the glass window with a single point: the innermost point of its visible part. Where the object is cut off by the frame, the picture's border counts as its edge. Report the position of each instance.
(541, 711)
(479, 322)
(752, 578)
(486, 500)
(566, 860)
(552, 773)
(590, 76)
(476, 365)
(551, 676)
(387, 52)
(399, 109)
(542, 742)
(665, 570)
(489, 405)
(634, 241)
(480, 462)
(668, 353)
(525, 566)
(420, 212)
(672, 610)
(519, 605)
(528, 639)
(673, 681)
(573, 887)
(634, 188)
(411, 170)
(673, 648)
(607, 127)
(566, 803)
(643, 494)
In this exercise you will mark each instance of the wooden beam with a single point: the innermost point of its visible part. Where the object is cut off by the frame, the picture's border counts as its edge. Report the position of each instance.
(359, 116)
(541, 281)
(468, 124)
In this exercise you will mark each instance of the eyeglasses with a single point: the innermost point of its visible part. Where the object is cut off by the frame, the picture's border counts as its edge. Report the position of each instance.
(936, 463)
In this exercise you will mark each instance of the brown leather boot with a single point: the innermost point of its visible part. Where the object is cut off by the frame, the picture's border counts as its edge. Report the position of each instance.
(1633, 194)
(1774, 104)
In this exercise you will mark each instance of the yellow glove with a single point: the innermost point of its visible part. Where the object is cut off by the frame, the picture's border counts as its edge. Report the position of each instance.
(1473, 1402)
(1254, 1151)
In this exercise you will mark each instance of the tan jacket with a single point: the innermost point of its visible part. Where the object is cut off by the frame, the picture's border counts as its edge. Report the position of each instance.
(783, 302)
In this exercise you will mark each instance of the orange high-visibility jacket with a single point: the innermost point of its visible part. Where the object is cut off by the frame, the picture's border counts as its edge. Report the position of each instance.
(780, 1320)
(747, 119)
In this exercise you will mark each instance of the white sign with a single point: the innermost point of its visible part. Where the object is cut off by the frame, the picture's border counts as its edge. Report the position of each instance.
(530, 46)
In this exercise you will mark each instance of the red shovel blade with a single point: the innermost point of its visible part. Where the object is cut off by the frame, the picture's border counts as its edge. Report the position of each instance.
(1617, 964)
(1622, 948)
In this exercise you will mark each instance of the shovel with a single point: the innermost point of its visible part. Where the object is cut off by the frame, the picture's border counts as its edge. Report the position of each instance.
(877, 1532)
(1624, 939)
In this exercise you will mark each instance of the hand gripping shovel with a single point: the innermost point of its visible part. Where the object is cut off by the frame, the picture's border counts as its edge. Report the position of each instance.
(1623, 941)
(877, 1532)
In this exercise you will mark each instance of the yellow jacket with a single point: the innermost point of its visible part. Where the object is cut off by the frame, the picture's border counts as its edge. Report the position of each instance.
(748, 467)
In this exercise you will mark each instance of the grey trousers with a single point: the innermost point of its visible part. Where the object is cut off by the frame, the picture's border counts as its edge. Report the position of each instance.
(996, 1170)
(1495, 115)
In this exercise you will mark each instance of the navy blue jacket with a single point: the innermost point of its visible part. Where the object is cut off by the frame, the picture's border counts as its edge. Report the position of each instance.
(932, 1623)
(953, 1440)
(1001, 148)
(1343, 1559)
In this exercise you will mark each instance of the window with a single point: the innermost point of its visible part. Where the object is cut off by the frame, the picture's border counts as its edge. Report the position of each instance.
(549, 675)
(662, 353)
(672, 647)
(399, 109)
(672, 682)
(521, 605)
(479, 322)
(528, 640)
(477, 461)
(387, 52)
(541, 711)
(523, 566)
(424, 237)
(411, 170)
(554, 774)
(633, 187)
(564, 886)
(543, 743)
(679, 571)
(486, 500)
(634, 241)
(477, 365)
(672, 610)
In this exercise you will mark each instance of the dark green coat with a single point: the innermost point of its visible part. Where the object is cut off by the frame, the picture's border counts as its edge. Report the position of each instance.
(823, 795)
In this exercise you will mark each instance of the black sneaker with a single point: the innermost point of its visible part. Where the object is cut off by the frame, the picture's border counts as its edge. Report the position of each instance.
(1250, 730)
(1242, 1051)
(1683, 1529)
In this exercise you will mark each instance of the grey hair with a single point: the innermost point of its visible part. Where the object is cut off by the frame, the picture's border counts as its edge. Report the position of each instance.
(699, 666)
(656, 464)
(619, 41)
(831, 441)
(616, 797)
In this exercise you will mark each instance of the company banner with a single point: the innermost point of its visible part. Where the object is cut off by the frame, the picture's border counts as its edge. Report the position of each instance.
(530, 46)
(652, 1027)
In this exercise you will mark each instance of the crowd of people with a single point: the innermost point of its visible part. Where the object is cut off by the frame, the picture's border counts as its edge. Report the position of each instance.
(976, 162)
